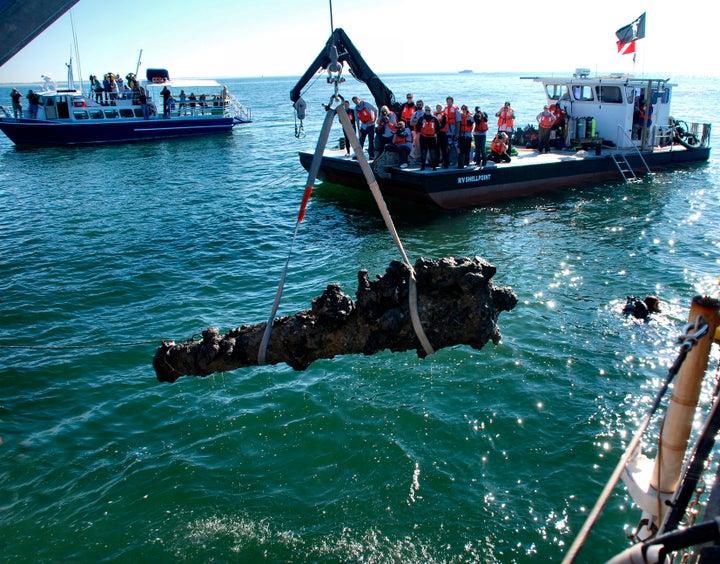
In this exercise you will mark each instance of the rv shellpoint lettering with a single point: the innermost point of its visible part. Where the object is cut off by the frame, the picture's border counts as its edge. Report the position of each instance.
(473, 178)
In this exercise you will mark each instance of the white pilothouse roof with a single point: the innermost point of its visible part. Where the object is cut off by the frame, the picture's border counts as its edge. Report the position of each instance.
(582, 75)
(187, 83)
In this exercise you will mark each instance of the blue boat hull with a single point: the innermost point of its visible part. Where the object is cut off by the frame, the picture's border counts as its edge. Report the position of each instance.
(53, 132)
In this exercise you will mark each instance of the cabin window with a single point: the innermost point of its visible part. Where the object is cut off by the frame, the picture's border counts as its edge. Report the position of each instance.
(80, 114)
(96, 114)
(609, 94)
(582, 93)
(46, 101)
(111, 114)
(126, 113)
(138, 112)
(660, 96)
(554, 91)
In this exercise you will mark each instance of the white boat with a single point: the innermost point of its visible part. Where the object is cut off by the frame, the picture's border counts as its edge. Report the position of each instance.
(72, 117)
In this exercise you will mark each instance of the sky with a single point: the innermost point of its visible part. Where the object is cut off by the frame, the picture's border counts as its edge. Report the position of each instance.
(243, 38)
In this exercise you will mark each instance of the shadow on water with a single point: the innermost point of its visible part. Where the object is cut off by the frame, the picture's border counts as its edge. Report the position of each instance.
(351, 202)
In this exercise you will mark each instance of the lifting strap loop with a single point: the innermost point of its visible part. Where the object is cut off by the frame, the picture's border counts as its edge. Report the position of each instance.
(375, 189)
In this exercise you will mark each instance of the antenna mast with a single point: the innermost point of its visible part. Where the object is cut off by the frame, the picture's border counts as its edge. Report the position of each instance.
(137, 67)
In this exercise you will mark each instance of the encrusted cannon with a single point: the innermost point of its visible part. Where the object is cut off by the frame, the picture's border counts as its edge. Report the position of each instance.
(457, 302)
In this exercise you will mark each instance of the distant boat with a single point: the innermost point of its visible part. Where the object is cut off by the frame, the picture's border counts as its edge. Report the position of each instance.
(71, 117)
(465, 71)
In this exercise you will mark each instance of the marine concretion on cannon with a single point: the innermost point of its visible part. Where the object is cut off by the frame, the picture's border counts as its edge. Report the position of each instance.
(457, 302)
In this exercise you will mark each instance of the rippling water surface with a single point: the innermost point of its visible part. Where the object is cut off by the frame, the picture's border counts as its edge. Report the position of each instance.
(466, 456)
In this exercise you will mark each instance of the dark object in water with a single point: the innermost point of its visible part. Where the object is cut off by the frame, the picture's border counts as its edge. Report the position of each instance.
(457, 302)
(641, 309)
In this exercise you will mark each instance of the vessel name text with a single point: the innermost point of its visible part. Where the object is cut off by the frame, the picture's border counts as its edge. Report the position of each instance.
(473, 178)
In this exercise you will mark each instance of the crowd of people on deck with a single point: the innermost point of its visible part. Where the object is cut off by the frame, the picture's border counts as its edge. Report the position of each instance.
(449, 133)
(113, 88)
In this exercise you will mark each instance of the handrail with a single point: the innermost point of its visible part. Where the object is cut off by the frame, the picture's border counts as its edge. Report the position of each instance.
(647, 168)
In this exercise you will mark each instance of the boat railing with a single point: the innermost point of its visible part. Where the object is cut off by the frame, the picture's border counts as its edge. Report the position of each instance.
(237, 109)
(693, 135)
(701, 131)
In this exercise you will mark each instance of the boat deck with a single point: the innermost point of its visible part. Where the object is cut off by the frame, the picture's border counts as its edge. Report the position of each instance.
(524, 157)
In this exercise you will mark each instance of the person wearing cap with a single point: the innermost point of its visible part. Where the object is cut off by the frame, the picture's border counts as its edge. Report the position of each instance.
(427, 127)
(500, 148)
(480, 129)
(545, 120)
(506, 121)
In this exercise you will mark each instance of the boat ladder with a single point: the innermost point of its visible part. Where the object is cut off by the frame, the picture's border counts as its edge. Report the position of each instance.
(622, 163)
(624, 167)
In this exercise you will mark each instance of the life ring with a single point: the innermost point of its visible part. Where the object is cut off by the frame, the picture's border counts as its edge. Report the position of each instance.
(79, 103)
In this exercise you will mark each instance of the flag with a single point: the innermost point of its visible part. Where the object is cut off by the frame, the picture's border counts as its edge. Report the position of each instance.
(626, 48)
(627, 35)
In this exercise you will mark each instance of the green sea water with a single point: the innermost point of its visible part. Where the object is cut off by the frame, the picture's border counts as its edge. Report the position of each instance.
(466, 456)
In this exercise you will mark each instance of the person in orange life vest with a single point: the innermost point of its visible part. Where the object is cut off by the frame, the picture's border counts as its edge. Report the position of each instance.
(499, 148)
(506, 121)
(408, 109)
(545, 120)
(643, 111)
(480, 128)
(401, 143)
(428, 126)
(442, 136)
(351, 116)
(465, 129)
(453, 115)
(559, 125)
(385, 128)
(365, 114)
(639, 119)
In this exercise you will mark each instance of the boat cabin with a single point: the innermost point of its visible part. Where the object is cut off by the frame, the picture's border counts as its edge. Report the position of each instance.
(72, 104)
(205, 98)
(612, 108)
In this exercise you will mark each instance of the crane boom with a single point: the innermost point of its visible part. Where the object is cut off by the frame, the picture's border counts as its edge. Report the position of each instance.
(348, 53)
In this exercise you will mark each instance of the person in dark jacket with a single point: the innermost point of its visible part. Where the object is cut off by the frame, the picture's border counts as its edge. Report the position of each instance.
(16, 103)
